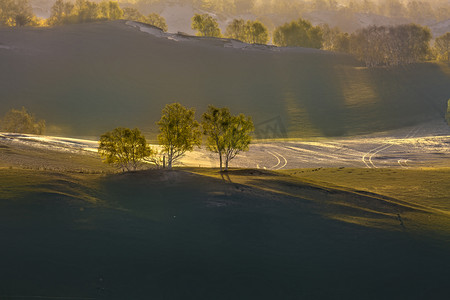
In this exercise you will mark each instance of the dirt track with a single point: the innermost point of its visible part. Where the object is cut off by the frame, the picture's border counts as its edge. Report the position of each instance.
(423, 146)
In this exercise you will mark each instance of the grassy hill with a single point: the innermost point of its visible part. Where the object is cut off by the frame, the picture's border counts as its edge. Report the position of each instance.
(73, 229)
(180, 235)
(88, 78)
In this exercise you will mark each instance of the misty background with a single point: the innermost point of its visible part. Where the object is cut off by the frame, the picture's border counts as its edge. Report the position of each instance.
(348, 15)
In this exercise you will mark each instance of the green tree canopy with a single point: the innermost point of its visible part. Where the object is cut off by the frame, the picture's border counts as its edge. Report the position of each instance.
(236, 30)
(252, 32)
(179, 131)
(205, 25)
(86, 11)
(391, 45)
(157, 20)
(334, 39)
(300, 33)
(60, 12)
(227, 135)
(15, 13)
(82, 11)
(21, 121)
(110, 10)
(124, 147)
(257, 33)
(442, 47)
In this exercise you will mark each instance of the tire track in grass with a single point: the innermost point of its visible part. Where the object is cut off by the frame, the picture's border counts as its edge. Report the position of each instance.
(371, 153)
(278, 160)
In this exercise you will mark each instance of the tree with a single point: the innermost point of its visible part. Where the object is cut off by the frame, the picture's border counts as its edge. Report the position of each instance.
(442, 47)
(227, 135)
(205, 25)
(124, 148)
(21, 121)
(15, 13)
(156, 20)
(86, 11)
(391, 45)
(257, 33)
(298, 33)
(236, 30)
(334, 39)
(60, 12)
(179, 131)
(110, 10)
(252, 32)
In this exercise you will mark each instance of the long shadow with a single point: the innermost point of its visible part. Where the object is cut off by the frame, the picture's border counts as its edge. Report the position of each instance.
(185, 236)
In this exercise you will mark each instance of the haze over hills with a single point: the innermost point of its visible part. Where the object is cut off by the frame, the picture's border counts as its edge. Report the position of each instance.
(89, 78)
(347, 14)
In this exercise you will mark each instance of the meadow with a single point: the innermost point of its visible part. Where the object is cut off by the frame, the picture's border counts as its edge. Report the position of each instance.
(87, 79)
(78, 229)
(75, 228)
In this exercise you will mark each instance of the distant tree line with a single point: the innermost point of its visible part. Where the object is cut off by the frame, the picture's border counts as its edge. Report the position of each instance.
(82, 11)
(21, 121)
(374, 45)
(179, 132)
(19, 13)
(391, 45)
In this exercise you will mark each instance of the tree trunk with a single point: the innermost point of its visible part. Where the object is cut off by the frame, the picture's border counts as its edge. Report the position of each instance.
(220, 159)
(169, 159)
(226, 163)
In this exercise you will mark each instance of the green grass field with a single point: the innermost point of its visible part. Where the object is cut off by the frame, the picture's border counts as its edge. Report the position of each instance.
(73, 228)
(191, 234)
(87, 79)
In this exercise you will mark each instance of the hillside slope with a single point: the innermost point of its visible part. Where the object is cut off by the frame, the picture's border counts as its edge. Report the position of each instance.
(86, 79)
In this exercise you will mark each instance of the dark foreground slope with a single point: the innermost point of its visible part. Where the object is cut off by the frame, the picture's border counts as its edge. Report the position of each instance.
(86, 79)
(71, 229)
(178, 235)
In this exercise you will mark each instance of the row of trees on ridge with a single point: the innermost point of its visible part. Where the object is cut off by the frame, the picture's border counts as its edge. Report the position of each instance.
(374, 45)
(179, 132)
(20, 13)
(82, 11)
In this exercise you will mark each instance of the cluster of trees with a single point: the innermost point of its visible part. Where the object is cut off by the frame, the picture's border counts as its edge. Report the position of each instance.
(154, 19)
(179, 132)
(300, 33)
(441, 50)
(82, 11)
(66, 12)
(206, 25)
(391, 45)
(17, 13)
(333, 39)
(20, 13)
(374, 45)
(252, 32)
(21, 121)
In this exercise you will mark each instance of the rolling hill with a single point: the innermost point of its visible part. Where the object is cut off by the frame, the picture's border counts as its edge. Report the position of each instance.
(89, 78)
